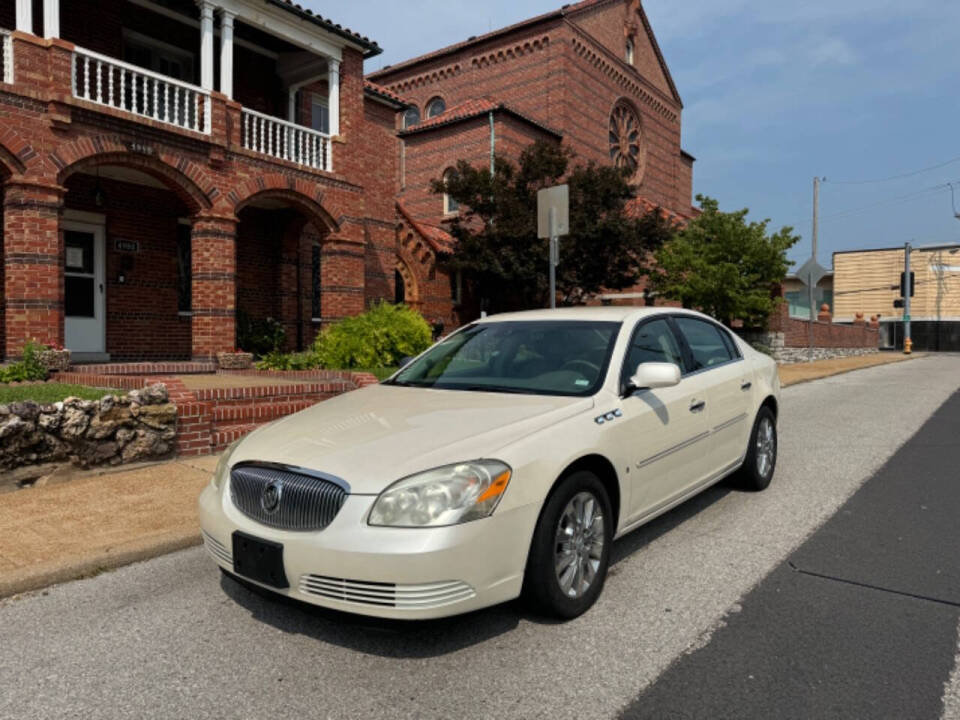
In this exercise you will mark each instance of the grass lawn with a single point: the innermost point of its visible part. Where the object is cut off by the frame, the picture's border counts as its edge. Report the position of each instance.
(50, 392)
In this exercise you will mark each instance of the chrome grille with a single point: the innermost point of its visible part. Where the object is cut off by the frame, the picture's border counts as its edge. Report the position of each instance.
(402, 597)
(219, 552)
(302, 502)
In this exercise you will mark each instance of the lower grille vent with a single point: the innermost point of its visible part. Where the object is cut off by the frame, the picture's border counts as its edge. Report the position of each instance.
(408, 597)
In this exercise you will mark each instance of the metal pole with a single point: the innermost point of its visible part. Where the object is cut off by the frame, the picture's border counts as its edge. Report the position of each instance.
(554, 251)
(813, 254)
(907, 291)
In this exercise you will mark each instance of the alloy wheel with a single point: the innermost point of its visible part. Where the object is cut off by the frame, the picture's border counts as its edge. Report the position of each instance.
(579, 544)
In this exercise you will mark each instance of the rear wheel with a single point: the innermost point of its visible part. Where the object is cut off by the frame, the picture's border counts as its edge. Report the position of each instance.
(570, 552)
(761, 460)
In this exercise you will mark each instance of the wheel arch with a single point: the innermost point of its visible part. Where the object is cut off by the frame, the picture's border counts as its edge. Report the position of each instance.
(600, 466)
(771, 402)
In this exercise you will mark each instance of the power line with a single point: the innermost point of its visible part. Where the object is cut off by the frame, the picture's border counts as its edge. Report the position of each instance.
(889, 201)
(895, 177)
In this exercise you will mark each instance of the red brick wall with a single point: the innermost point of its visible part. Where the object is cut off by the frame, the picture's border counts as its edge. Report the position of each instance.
(825, 335)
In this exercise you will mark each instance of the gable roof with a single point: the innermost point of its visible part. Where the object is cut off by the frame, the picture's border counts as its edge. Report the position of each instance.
(567, 11)
(471, 109)
(439, 239)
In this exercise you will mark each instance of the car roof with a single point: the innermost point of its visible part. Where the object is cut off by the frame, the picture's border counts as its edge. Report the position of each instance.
(588, 313)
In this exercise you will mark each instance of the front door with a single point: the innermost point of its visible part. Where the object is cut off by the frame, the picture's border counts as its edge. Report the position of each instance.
(666, 430)
(84, 293)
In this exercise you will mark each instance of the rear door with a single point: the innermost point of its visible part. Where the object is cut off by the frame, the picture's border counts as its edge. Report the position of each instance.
(663, 432)
(714, 358)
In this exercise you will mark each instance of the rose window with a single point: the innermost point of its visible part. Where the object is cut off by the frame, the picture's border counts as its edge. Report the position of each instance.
(626, 141)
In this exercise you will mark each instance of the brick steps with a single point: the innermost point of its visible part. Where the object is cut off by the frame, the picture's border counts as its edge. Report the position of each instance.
(258, 412)
(226, 434)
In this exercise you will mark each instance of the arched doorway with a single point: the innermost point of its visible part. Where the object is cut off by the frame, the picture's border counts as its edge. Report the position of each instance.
(281, 236)
(127, 278)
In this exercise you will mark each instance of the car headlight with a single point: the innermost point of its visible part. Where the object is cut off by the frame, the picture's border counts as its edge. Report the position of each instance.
(223, 466)
(443, 496)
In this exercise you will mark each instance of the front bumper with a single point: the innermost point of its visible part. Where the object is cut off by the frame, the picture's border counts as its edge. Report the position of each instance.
(406, 573)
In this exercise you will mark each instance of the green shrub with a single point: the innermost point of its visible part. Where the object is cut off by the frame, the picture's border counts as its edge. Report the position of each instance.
(277, 360)
(29, 368)
(260, 336)
(380, 337)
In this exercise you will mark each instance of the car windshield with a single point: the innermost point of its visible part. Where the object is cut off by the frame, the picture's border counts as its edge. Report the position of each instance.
(558, 357)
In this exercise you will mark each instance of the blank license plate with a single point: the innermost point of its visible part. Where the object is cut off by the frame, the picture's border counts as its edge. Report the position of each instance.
(259, 560)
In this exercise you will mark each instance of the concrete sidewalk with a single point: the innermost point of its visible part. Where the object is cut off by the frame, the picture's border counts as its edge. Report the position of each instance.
(98, 521)
(102, 520)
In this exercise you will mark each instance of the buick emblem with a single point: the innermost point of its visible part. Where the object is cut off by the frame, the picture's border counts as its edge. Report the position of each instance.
(270, 497)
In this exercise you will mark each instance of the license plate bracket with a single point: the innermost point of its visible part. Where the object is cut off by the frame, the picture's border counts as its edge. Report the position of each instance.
(259, 560)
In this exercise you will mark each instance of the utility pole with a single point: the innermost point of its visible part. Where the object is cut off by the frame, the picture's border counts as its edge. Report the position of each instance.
(907, 292)
(813, 256)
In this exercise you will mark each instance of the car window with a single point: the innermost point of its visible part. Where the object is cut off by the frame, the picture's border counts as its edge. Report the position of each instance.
(706, 343)
(653, 341)
(564, 357)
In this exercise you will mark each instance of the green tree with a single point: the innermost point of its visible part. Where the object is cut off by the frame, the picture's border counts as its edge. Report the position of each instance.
(724, 265)
(496, 234)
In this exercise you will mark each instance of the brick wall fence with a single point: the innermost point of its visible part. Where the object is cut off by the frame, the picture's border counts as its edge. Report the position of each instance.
(787, 339)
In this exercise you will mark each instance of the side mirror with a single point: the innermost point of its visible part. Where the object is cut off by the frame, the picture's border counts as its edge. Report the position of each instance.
(652, 375)
(404, 361)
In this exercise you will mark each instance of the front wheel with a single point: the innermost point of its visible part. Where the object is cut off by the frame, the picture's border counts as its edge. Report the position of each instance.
(570, 551)
(761, 460)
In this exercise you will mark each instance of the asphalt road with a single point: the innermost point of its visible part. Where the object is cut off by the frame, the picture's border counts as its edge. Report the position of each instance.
(813, 590)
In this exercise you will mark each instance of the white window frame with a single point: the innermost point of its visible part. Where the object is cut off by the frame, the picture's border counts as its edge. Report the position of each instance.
(447, 200)
(324, 102)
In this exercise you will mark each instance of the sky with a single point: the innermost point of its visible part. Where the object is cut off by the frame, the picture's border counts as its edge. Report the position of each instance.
(776, 92)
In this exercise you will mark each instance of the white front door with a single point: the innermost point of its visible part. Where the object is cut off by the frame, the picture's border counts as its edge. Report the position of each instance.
(84, 288)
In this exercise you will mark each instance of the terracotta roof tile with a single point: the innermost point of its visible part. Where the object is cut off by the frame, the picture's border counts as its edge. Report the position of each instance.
(370, 47)
(640, 206)
(383, 92)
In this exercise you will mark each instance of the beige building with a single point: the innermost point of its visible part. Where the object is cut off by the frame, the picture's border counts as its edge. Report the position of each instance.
(868, 282)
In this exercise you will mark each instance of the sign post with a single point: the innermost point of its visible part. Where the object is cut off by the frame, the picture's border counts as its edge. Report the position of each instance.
(553, 221)
(810, 273)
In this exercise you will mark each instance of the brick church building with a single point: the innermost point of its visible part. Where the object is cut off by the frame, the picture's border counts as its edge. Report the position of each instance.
(589, 74)
(166, 165)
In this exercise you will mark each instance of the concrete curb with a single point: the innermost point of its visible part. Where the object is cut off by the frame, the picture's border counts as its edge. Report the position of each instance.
(43, 575)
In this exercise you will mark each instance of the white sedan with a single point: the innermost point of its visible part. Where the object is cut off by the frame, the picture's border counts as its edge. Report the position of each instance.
(503, 461)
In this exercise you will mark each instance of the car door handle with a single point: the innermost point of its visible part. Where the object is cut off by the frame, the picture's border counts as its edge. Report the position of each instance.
(746, 385)
(697, 405)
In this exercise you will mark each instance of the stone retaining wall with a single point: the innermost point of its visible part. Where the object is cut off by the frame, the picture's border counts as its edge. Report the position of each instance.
(116, 429)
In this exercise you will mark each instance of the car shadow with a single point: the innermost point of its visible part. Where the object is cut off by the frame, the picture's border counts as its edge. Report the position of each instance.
(432, 638)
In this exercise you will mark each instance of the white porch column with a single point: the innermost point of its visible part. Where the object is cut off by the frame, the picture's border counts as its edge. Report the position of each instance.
(51, 18)
(226, 53)
(206, 44)
(25, 16)
(292, 103)
(333, 103)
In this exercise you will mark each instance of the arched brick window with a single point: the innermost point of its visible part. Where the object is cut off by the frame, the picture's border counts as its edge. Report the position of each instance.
(450, 206)
(436, 107)
(411, 116)
(628, 53)
(627, 144)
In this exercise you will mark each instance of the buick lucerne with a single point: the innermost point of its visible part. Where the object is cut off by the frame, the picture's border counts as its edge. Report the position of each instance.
(503, 461)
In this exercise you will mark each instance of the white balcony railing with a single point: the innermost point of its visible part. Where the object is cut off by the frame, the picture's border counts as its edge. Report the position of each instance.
(286, 141)
(6, 57)
(116, 84)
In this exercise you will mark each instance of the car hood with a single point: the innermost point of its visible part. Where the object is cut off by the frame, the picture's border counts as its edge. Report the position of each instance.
(374, 436)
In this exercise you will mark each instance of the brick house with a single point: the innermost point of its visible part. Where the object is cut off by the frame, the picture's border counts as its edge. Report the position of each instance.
(590, 74)
(167, 163)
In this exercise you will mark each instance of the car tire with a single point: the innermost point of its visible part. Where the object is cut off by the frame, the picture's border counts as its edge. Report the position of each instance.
(761, 460)
(549, 590)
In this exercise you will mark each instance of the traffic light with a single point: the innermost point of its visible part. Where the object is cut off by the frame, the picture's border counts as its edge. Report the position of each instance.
(898, 303)
(903, 287)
